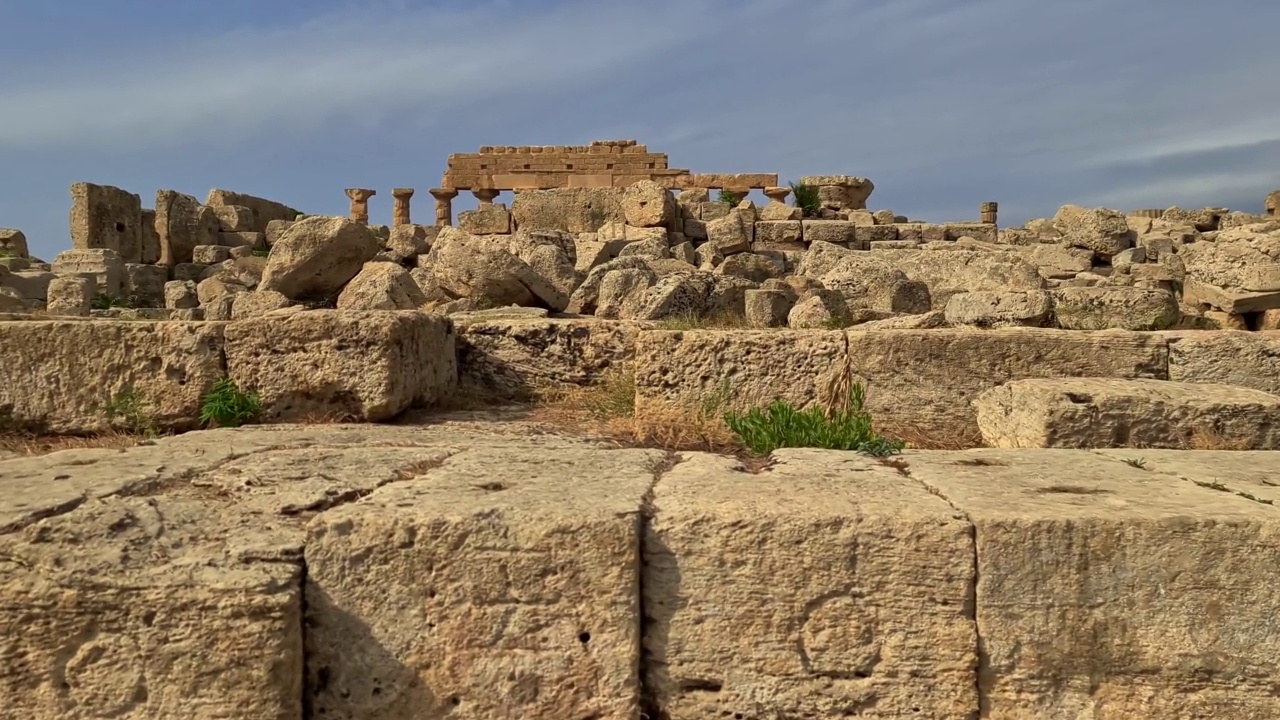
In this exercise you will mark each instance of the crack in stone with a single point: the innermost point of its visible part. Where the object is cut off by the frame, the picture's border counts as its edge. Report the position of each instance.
(650, 709)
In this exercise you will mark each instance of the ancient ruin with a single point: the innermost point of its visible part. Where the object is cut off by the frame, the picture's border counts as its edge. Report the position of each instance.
(1083, 523)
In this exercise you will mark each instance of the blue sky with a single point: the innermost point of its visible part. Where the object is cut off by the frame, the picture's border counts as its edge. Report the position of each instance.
(942, 103)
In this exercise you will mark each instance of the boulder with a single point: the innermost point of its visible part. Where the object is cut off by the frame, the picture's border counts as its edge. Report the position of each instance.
(647, 204)
(1123, 308)
(316, 257)
(467, 266)
(381, 286)
(13, 243)
(1105, 232)
(991, 308)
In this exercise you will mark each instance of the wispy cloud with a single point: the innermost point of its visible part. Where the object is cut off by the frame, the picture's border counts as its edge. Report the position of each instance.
(943, 103)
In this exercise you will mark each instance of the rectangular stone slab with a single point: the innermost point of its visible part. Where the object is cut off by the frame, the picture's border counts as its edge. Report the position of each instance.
(131, 608)
(826, 586)
(504, 583)
(1111, 591)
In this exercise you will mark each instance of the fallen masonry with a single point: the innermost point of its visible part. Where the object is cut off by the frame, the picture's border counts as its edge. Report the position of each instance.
(481, 570)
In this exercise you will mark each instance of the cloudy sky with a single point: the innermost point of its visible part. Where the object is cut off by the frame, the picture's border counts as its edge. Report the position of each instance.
(942, 103)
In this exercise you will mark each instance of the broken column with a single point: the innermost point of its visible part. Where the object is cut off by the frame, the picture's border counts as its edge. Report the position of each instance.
(400, 206)
(444, 205)
(360, 204)
(841, 192)
(777, 195)
(485, 196)
(987, 212)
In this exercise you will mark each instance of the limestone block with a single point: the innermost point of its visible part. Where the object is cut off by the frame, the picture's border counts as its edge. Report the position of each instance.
(521, 565)
(13, 243)
(575, 210)
(743, 368)
(982, 232)
(1124, 308)
(381, 286)
(182, 223)
(647, 204)
(492, 219)
(138, 607)
(63, 376)
(144, 284)
(1103, 231)
(106, 217)
(766, 308)
(103, 266)
(1244, 359)
(825, 585)
(1106, 590)
(149, 252)
(926, 380)
(992, 308)
(210, 254)
(509, 357)
(264, 211)
(255, 303)
(234, 218)
(865, 235)
(779, 232)
(70, 296)
(275, 229)
(180, 295)
(28, 284)
(836, 232)
(368, 366)
(1109, 412)
(713, 210)
(317, 256)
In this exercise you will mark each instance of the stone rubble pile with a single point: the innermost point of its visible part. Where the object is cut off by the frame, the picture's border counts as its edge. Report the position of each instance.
(642, 252)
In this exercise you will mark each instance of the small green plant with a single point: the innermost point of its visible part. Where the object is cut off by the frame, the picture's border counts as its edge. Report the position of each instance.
(103, 301)
(782, 425)
(130, 410)
(7, 253)
(727, 196)
(226, 405)
(1140, 463)
(806, 198)
(262, 252)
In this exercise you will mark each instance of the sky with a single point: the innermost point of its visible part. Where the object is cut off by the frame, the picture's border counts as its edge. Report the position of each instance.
(944, 104)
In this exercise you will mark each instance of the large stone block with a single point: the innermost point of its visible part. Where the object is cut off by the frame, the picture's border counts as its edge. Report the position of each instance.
(510, 358)
(1107, 590)
(100, 265)
(106, 217)
(364, 366)
(182, 224)
(503, 584)
(1229, 357)
(575, 210)
(1109, 412)
(734, 369)
(68, 376)
(264, 211)
(826, 586)
(926, 380)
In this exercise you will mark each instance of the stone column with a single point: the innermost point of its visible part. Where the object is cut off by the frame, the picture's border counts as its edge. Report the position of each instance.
(987, 212)
(360, 204)
(486, 196)
(444, 205)
(777, 195)
(400, 206)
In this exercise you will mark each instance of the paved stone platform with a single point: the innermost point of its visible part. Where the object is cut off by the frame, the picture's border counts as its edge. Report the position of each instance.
(494, 570)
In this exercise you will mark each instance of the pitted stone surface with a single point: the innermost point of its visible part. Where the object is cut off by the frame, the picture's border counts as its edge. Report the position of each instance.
(479, 569)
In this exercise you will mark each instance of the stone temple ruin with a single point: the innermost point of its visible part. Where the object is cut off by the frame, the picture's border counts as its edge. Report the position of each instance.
(1097, 536)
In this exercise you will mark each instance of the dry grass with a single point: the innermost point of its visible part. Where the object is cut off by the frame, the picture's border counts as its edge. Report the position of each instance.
(608, 410)
(29, 444)
(1207, 439)
(720, 320)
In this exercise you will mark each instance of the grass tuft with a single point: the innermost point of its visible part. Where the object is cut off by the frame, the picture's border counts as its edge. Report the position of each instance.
(225, 405)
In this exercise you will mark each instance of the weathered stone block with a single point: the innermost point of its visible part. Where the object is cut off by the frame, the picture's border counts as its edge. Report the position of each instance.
(1181, 570)
(180, 295)
(367, 366)
(873, 612)
(104, 267)
(493, 219)
(144, 284)
(149, 238)
(865, 235)
(264, 211)
(106, 217)
(182, 223)
(982, 232)
(1228, 357)
(779, 232)
(836, 232)
(13, 244)
(65, 376)
(234, 218)
(70, 296)
(531, 598)
(1109, 412)
(210, 254)
(189, 271)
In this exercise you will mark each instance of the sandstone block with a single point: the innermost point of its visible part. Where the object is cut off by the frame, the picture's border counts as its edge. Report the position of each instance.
(1124, 308)
(275, 229)
(492, 219)
(575, 210)
(381, 286)
(182, 223)
(65, 376)
(103, 266)
(990, 308)
(836, 232)
(264, 211)
(317, 256)
(872, 613)
(779, 232)
(70, 296)
(982, 232)
(106, 218)
(1244, 359)
(865, 235)
(531, 598)
(255, 303)
(368, 366)
(767, 308)
(1178, 567)
(730, 234)
(647, 204)
(234, 218)
(1108, 412)
(13, 243)
(193, 272)
(210, 254)
(180, 295)
(1103, 231)
(144, 284)
(28, 284)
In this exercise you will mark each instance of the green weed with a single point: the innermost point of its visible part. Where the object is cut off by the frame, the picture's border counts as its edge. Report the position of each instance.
(782, 425)
(103, 301)
(806, 198)
(226, 405)
(129, 410)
